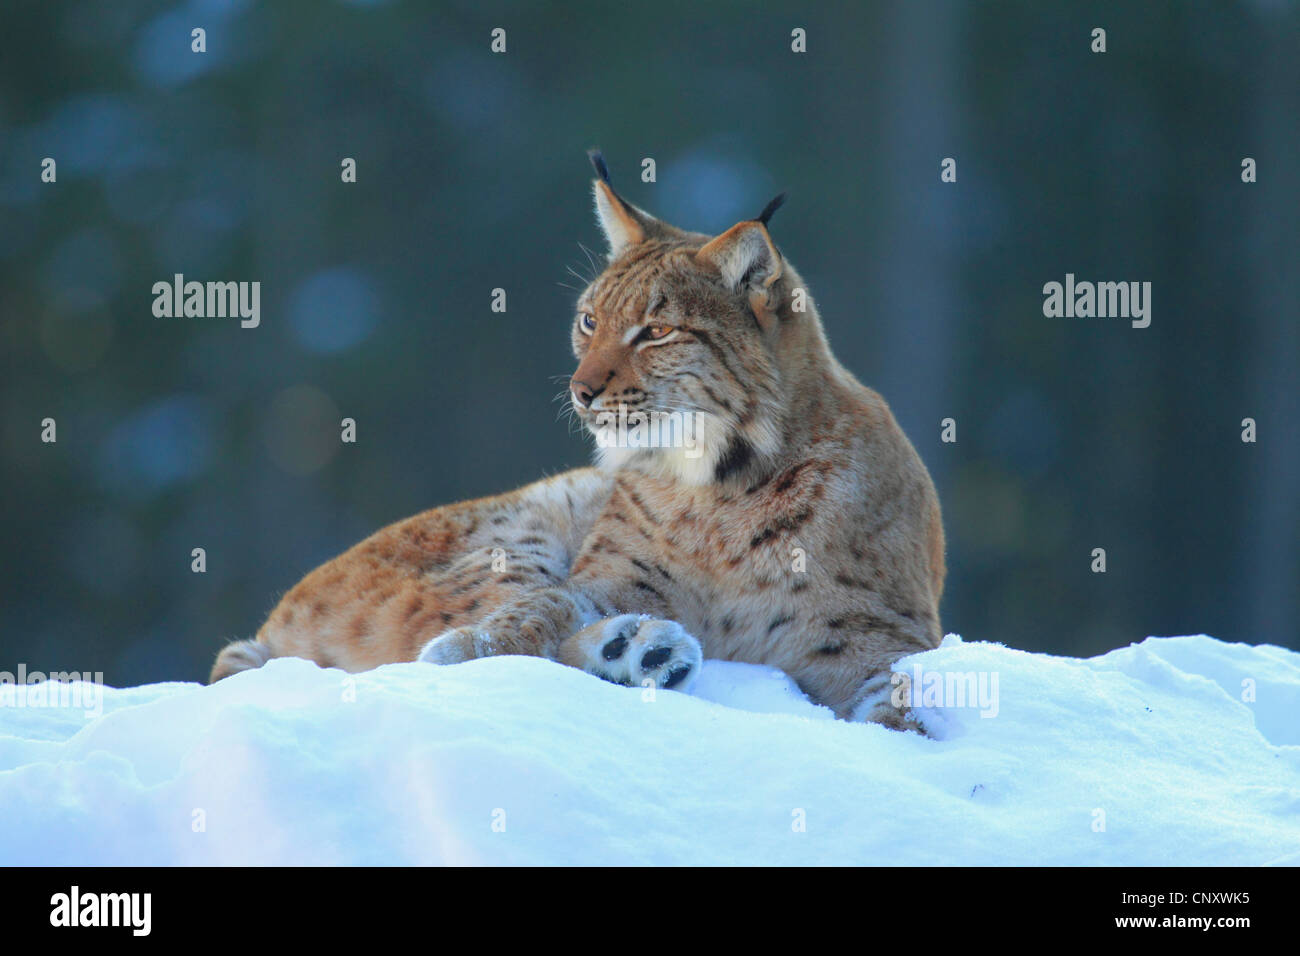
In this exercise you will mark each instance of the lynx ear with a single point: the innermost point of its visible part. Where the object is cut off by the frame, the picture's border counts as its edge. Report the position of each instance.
(745, 257)
(623, 224)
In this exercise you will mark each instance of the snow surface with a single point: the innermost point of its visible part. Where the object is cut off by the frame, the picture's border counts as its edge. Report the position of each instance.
(1145, 755)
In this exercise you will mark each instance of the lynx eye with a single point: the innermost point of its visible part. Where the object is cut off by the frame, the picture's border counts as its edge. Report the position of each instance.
(587, 322)
(659, 331)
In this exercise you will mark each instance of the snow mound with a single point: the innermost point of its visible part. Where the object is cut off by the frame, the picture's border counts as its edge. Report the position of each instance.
(1173, 751)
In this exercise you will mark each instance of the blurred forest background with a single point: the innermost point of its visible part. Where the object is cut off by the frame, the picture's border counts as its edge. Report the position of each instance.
(1072, 434)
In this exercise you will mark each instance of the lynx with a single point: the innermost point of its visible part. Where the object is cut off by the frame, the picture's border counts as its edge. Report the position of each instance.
(798, 527)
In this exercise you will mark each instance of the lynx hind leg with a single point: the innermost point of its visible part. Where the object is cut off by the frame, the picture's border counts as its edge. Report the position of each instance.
(239, 656)
(633, 648)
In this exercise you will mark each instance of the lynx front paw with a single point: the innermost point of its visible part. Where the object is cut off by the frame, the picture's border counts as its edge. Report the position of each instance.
(452, 647)
(631, 649)
(881, 702)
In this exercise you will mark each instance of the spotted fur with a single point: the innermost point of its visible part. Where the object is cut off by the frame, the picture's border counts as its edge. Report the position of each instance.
(801, 531)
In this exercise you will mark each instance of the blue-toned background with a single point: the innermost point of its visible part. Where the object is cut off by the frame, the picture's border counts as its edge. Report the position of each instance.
(1072, 433)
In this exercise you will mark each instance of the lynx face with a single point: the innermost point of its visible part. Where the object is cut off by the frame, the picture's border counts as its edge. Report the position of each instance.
(671, 336)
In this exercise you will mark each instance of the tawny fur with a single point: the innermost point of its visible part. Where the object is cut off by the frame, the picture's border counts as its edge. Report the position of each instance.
(805, 536)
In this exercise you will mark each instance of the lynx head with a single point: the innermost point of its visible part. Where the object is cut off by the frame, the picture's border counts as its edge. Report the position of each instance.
(681, 344)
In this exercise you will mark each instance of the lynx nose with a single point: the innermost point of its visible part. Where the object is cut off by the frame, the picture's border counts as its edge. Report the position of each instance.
(583, 394)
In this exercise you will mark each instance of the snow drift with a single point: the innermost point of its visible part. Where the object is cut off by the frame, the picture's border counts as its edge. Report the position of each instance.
(1173, 751)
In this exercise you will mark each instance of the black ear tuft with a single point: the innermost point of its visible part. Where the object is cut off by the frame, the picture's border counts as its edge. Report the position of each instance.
(598, 163)
(770, 208)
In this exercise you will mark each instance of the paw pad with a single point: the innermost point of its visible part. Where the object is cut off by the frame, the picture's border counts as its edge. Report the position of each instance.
(641, 649)
(677, 675)
(655, 656)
